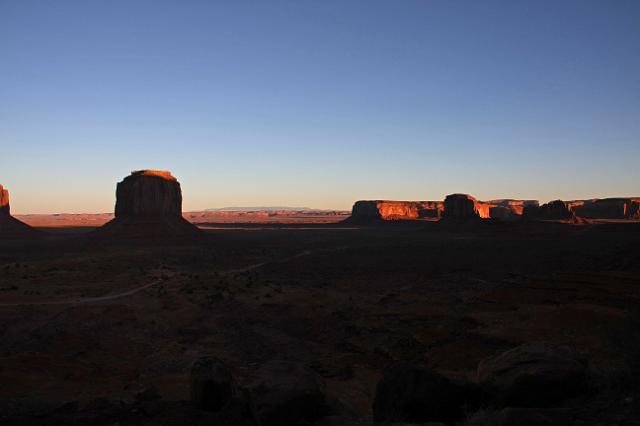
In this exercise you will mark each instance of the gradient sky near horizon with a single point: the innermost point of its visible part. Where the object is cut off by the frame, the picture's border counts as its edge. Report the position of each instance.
(318, 103)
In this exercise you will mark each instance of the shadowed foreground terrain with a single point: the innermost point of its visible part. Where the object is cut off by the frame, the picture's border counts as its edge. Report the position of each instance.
(95, 332)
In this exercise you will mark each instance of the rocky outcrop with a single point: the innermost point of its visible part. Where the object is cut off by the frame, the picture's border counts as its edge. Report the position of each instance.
(5, 210)
(606, 208)
(533, 375)
(553, 210)
(10, 227)
(414, 394)
(381, 210)
(149, 205)
(287, 393)
(508, 209)
(460, 206)
(464, 206)
(212, 384)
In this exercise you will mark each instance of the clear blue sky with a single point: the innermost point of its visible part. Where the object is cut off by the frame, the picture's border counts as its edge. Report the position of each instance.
(317, 102)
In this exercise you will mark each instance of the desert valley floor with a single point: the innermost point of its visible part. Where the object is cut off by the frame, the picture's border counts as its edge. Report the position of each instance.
(87, 326)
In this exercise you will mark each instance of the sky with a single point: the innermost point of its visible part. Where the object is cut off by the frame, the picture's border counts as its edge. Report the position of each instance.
(318, 103)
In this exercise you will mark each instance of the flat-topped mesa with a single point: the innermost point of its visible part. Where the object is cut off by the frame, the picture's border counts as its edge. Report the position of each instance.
(5, 209)
(159, 173)
(387, 210)
(148, 193)
(607, 208)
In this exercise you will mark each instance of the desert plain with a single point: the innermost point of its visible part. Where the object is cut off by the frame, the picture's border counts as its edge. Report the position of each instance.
(87, 325)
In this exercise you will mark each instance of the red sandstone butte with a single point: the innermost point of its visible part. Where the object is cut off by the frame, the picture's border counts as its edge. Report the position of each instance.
(10, 227)
(4, 202)
(387, 210)
(606, 208)
(464, 206)
(553, 210)
(149, 205)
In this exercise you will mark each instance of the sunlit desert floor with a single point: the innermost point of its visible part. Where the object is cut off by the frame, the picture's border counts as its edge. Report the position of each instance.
(81, 320)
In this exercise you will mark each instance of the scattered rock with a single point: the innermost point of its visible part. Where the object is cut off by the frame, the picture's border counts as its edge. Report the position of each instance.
(212, 384)
(286, 393)
(409, 393)
(533, 375)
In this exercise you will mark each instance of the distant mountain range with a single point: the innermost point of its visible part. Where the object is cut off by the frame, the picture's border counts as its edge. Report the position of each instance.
(256, 209)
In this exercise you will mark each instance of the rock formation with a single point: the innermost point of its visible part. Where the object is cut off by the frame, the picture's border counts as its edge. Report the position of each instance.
(465, 207)
(10, 227)
(508, 209)
(380, 210)
(606, 208)
(148, 193)
(533, 375)
(414, 394)
(4, 202)
(553, 210)
(212, 384)
(460, 206)
(287, 393)
(149, 205)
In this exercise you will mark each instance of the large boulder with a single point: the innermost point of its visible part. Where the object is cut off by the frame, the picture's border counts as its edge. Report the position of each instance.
(414, 394)
(149, 205)
(462, 206)
(383, 210)
(286, 393)
(533, 375)
(212, 384)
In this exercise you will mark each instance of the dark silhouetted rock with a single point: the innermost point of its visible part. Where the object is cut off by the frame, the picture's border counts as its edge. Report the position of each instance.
(148, 193)
(5, 210)
(381, 210)
(508, 209)
(10, 227)
(553, 210)
(147, 393)
(606, 208)
(413, 394)
(533, 375)
(148, 205)
(463, 206)
(286, 393)
(212, 384)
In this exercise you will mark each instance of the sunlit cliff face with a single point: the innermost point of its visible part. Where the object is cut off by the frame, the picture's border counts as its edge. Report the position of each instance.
(396, 210)
(158, 173)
